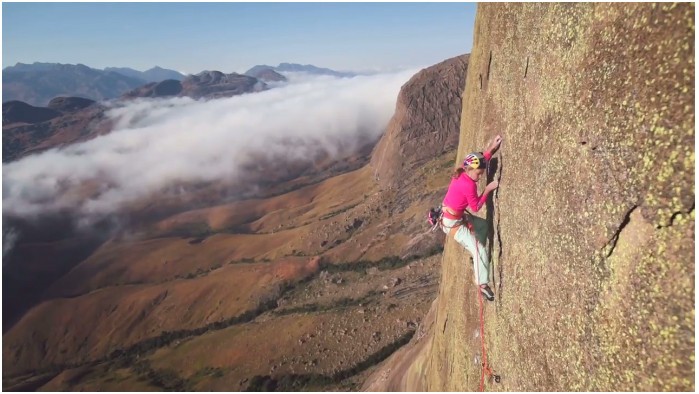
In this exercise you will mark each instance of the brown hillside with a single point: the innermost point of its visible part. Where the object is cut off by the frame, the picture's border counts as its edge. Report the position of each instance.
(80, 124)
(593, 222)
(124, 315)
(168, 87)
(21, 112)
(69, 104)
(305, 287)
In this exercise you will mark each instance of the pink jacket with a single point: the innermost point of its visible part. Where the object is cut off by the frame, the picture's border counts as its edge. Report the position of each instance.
(463, 193)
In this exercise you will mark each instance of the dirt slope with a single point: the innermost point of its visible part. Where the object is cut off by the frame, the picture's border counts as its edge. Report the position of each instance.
(593, 239)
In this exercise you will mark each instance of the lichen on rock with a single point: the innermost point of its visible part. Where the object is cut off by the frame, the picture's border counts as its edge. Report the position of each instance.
(593, 223)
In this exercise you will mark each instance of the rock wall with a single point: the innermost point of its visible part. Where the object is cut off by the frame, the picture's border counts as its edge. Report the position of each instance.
(593, 225)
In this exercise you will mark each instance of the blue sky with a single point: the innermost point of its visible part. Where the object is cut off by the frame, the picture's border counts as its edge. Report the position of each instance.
(232, 37)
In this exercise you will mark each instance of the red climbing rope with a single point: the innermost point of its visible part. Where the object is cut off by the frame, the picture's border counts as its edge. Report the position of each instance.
(486, 370)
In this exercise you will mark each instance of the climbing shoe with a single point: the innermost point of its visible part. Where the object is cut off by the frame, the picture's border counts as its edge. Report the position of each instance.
(489, 295)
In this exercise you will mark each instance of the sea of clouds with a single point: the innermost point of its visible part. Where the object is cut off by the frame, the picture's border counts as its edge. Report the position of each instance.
(158, 143)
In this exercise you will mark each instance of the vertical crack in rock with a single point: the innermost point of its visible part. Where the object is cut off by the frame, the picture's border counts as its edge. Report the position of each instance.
(490, 61)
(498, 234)
(526, 68)
(615, 237)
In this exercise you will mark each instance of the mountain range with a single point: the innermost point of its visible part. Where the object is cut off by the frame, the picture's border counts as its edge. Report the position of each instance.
(38, 83)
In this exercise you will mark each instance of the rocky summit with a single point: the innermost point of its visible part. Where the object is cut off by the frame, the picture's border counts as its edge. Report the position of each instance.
(207, 84)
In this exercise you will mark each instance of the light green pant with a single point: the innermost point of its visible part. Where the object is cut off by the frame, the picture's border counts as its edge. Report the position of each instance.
(474, 243)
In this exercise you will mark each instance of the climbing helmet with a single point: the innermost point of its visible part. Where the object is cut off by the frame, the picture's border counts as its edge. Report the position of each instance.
(475, 160)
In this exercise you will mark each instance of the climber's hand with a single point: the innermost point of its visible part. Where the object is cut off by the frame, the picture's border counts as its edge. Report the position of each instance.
(492, 186)
(495, 145)
(497, 141)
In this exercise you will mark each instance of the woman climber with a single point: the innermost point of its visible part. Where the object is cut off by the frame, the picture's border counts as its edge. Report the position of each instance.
(471, 233)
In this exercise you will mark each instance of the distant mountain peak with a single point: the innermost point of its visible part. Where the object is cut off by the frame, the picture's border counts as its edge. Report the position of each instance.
(295, 67)
(155, 74)
(265, 73)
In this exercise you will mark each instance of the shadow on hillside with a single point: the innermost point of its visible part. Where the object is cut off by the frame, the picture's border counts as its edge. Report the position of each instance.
(46, 250)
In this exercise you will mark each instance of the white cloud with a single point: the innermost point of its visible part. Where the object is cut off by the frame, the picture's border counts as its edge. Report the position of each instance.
(9, 238)
(161, 143)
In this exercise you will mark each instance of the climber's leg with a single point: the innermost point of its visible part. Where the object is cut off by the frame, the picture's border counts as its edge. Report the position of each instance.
(468, 240)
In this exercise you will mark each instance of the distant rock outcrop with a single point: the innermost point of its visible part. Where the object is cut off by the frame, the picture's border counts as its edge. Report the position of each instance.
(215, 84)
(169, 87)
(69, 104)
(207, 84)
(426, 121)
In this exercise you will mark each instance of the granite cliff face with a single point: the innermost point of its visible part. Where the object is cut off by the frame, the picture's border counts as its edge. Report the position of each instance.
(593, 224)
(425, 122)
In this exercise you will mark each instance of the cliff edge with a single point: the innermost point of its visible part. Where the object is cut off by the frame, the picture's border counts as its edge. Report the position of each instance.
(425, 123)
